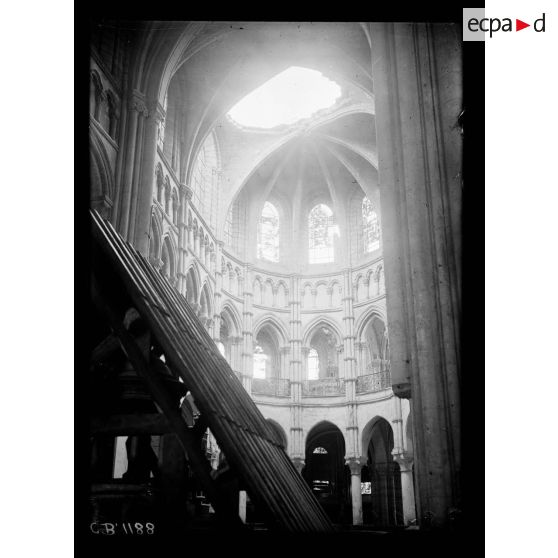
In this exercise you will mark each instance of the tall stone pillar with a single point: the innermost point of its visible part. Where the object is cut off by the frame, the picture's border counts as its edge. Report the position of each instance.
(185, 197)
(137, 113)
(417, 75)
(196, 247)
(405, 462)
(142, 195)
(353, 449)
(247, 332)
(190, 235)
(355, 465)
(297, 451)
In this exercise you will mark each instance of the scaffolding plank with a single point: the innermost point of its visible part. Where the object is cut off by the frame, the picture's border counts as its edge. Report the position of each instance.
(191, 354)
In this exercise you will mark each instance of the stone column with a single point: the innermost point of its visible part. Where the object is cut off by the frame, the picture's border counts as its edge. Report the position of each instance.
(190, 236)
(297, 451)
(417, 83)
(355, 465)
(247, 333)
(143, 187)
(196, 247)
(185, 197)
(405, 462)
(350, 366)
(137, 113)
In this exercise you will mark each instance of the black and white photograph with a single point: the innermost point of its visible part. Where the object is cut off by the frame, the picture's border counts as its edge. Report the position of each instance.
(276, 244)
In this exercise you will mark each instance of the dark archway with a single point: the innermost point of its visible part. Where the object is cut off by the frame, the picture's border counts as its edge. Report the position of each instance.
(382, 503)
(325, 470)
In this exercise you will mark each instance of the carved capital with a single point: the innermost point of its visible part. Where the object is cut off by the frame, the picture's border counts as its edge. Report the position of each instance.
(156, 111)
(137, 103)
(403, 459)
(355, 464)
(186, 192)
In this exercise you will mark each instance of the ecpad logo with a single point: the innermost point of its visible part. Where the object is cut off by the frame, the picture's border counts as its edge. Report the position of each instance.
(476, 25)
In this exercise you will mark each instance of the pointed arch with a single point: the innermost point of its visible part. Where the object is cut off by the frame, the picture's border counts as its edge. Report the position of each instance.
(282, 294)
(315, 324)
(192, 284)
(230, 312)
(368, 429)
(168, 257)
(268, 292)
(278, 327)
(363, 320)
(155, 237)
(206, 301)
(322, 427)
(101, 177)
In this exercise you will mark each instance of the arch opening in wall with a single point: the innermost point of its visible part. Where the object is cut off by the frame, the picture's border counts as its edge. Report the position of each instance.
(206, 305)
(267, 360)
(229, 334)
(323, 356)
(383, 507)
(155, 235)
(373, 350)
(325, 470)
(192, 289)
(168, 267)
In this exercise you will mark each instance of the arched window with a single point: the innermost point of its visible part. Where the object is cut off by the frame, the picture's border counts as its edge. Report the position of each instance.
(321, 230)
(313, 365)
(321, 450)
(370, 226)
(260, 359)
(205, 180)
(268, 234)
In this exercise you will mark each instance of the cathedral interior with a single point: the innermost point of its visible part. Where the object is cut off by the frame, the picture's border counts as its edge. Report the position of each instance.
(296, 189)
